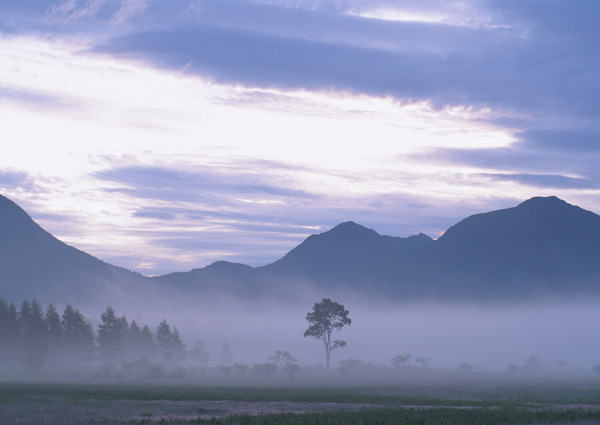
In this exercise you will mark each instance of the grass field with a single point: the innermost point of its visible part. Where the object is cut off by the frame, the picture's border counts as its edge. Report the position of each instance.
(170, 403)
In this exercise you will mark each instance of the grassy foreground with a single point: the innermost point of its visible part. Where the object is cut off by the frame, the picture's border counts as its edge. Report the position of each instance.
(78, 403)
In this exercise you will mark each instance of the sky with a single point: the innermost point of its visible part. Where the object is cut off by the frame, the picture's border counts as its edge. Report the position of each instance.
(162, 136)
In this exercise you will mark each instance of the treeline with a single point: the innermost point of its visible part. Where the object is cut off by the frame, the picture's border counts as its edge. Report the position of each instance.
(43, 339)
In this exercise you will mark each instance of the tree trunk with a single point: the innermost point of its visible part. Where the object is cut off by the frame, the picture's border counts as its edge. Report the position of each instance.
(328, 348)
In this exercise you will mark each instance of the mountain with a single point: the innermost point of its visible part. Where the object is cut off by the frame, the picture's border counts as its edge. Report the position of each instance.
(541, 247)
(234, 278)
(344, 256)
(33, 263)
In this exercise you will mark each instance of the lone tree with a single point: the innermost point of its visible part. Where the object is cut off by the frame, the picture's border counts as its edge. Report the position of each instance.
(326, 317)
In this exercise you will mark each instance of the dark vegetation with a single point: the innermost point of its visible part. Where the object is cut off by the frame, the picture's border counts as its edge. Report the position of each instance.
(486, 402)
(44, 339)
(42, 344)
(327, 316)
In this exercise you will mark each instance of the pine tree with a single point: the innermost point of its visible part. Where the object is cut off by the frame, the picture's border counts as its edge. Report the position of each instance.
(55, 333)
(132, 341)
(78, 337)
(9, 330)
(163, 339)
(24, 316)
(14, 328)
(110, 336)
(4, 327)
(176, 346)
(147, 342)
(34, 335)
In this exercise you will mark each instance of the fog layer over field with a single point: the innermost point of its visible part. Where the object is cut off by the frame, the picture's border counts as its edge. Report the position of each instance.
(561, 334)
(553, 337)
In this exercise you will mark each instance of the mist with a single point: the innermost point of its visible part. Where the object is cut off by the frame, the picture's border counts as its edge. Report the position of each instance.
(487, 337)
(550, 338)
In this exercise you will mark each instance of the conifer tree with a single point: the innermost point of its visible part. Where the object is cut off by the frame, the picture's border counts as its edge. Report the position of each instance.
(132, 341)
(34, 335)
(14, 328)
(147, 342)
(78, 337)
(163, 339)
(176, 346)
(110, 336)
(55, 333)
(4, 327)
(9, 330)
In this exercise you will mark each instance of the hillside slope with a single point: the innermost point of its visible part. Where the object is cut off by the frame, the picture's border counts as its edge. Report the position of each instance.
(33, 263)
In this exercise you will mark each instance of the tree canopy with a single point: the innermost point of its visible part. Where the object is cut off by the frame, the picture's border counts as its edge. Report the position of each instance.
(327, 316)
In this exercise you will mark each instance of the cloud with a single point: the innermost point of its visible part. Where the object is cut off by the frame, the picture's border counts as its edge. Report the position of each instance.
(73, 10)
(310, 49)
(208, 184)
(129, 9)
(16, 180)
(554, 181)
(579, 140)
(33, 98)
(13, 10)
(522, 157)
(114, 11)
(525, 57)
(512, 158)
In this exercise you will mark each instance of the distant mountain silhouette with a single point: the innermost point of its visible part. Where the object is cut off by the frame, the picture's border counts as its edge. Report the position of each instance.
(543, 246)
(33, 263)
(235, 278)
(344, 256)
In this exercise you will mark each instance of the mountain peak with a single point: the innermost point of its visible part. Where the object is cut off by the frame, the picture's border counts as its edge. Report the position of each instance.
(543, 202)
(349, 226)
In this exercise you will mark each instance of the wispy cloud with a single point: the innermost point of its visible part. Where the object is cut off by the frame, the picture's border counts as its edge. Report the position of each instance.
(554, 181)
(585, 139)
(129, 9)
(72, 10)
(207, 185)
(16, 180)
(116, 11)
(322, 46)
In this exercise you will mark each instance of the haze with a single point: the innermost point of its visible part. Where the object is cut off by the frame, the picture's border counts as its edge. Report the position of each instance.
(478, 338)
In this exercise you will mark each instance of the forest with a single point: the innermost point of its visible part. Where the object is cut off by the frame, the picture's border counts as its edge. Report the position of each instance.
(41, 339)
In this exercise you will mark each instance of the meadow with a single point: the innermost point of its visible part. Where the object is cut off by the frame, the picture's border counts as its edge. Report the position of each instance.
(477, 401)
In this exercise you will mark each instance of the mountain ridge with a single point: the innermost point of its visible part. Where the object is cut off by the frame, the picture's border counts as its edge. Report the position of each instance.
(544, 245)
